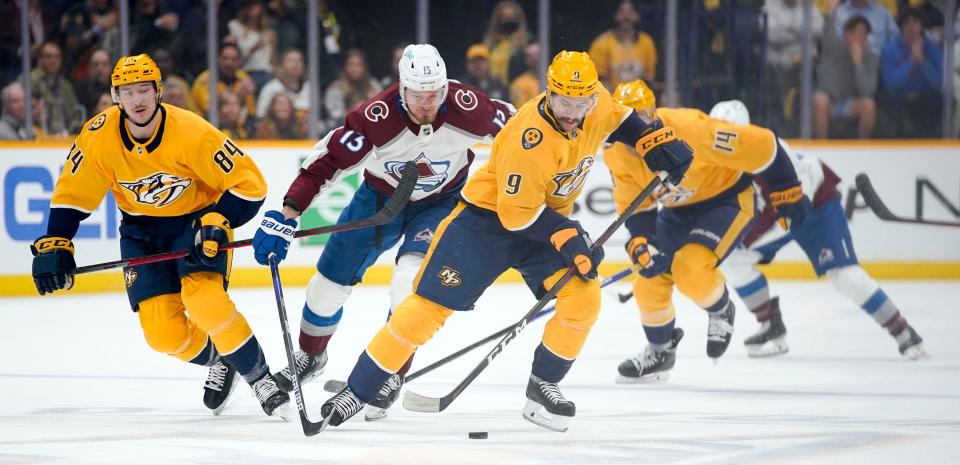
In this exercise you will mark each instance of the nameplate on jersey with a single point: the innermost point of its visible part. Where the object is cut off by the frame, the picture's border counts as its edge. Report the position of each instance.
(158, 189)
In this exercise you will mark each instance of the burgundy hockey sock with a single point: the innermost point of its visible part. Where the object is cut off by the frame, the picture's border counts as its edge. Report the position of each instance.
(313, 345)
(767, 309)
(896, 324)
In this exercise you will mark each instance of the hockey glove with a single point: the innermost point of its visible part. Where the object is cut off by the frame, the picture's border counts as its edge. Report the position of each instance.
(662, 151)
(573, 243)
(52, 260)
(274, 236)
(210, 231)
(643, 253)
(790, 206)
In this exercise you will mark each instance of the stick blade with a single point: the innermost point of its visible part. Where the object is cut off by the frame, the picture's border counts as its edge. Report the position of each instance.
(419, 403)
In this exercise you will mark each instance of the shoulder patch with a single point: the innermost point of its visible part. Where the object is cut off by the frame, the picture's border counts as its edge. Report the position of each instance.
(97, 122)
(466, 99)
(376, 111)
(531, 138)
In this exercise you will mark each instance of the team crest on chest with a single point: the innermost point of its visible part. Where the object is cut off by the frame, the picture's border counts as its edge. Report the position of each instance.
(158, 189)
(432, 173)
(571, 181)
(531, 138)
(670, 194)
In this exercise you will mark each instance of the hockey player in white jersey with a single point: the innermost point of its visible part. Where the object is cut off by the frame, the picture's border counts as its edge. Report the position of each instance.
(425, 118)
(825, 238)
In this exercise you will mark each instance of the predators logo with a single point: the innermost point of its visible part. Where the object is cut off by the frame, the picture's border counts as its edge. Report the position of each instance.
(571, 181)
(158, 189)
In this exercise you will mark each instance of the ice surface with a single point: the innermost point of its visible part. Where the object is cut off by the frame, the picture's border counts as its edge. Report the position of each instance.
(78, 385)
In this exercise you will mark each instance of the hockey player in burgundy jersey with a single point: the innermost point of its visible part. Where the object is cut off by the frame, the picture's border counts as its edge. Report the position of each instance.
(825, 238)
(424, 118)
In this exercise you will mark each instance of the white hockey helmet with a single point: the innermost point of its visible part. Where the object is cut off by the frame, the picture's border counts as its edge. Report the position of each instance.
(422, 69)
(731, 111)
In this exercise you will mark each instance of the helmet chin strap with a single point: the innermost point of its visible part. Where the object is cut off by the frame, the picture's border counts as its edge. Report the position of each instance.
(149, 120)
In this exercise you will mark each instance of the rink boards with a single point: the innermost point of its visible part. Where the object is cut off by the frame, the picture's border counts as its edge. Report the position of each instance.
(910, 177)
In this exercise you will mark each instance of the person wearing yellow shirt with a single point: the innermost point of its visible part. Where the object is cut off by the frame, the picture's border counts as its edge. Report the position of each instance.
(230, 78)
(702, 219)
(180, 184)
(624, 53)
(514, 213)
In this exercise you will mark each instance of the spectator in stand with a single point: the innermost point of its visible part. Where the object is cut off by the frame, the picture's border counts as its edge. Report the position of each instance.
(104, 101)
(233, 120)
(882, 27)
(624, 53)
(13, 119)
(43, 20)
(289, 81)
(784, 49)
(282, 121)
(193, 37)
(846, 78)
(391, 78)
(353, 87)
(506, 35)
(86, 26)
(257, 41)
(97, 82)
(176, 92)
(151, 25)
(478, 73)
(911, 96)
(527, 85)
(232, 79)
(65, 115)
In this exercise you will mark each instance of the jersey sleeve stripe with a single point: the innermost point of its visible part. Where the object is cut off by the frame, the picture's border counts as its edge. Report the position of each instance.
(71, 207)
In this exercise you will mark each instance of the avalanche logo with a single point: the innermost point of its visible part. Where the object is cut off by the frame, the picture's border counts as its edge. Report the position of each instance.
(424, 236)
(158, 189)
(571, 181)
(432, 173)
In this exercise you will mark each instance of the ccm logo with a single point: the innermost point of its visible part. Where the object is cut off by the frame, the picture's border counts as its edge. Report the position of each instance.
(657, 138)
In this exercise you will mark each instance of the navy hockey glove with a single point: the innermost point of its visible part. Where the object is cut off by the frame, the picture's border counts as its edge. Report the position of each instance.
(52, 260)
(574, 244)
(662, 151)
(210, 232)
(643, 253)
(274, 236)
(790, 206)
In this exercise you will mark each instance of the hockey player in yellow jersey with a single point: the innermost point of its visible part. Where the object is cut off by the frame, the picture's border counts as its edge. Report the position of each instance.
(179, 183)
(513, 214)
(702, 220)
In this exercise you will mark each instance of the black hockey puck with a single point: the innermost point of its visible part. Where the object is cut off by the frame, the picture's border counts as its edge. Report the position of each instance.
(478, 435)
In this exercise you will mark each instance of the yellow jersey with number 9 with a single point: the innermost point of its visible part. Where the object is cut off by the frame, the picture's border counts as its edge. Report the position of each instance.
(183, 167)
(535, 165)
(722, 153)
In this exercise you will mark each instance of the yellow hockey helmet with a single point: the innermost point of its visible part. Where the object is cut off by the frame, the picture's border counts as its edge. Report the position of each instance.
(133, 69)
(573, 74)
(636, 95)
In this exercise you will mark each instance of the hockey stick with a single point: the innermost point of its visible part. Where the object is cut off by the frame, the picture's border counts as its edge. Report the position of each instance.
(420, 403)
(335, 385)
(880, 209)
(393, 206)
(309, 428)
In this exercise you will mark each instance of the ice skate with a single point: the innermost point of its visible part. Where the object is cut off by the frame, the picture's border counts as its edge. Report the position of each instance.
(308, 368)
(769, 340)
(340, 407)
(387, 395)
(221, 378)
(911, 344)
(546, 406)
(274, 401)
(720, 331)
(650, 366)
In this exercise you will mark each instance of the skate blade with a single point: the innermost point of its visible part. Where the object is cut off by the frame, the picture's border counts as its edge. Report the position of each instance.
(538, 415)
(917, 352)
(217, 411)
(282, 412)
(645, 379)
(771, 348)
(374, 413)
